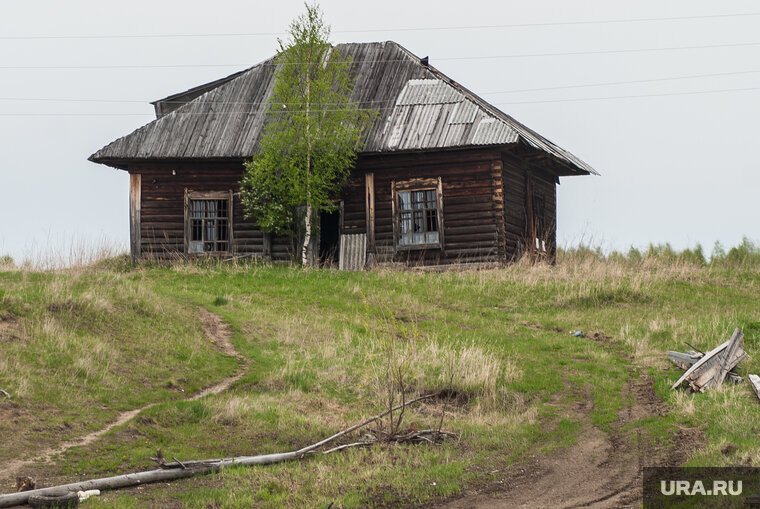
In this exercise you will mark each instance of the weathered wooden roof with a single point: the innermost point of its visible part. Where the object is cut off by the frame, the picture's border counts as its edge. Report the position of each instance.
(419, 109)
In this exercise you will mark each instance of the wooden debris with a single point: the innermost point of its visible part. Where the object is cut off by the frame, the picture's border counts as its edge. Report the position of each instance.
(5, 393)
(685, 360)
(733, 355)
(713, 367)
(754, 382)
(733, 377)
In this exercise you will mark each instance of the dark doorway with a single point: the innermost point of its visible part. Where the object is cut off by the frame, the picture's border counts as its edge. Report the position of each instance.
(329, 237)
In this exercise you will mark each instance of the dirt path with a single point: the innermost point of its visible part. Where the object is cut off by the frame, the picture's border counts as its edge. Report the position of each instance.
(602, 470)
(214, 329)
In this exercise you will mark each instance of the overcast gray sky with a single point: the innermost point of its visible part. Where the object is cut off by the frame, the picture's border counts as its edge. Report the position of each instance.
(677, 164)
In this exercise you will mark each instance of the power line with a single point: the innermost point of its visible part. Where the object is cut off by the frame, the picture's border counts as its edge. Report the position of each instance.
(666, 94)
(471, 57)
(604, 52)
(246, 112)
(512, 91)
(397, 29)
(628, 82)
(83, 67)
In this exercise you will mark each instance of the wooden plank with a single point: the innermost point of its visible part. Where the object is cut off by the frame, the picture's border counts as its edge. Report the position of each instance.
(709, 378)
(369, 182)
(439, 205)
(187, 221)
(393, 213)
(708, 357)
(267, 245)
(135, 192)
(754, 382)
(683, 360)
(731, 352)
(230, 226)
(711, 370)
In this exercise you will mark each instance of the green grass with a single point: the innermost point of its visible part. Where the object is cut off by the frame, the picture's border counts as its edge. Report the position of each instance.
(91, 343)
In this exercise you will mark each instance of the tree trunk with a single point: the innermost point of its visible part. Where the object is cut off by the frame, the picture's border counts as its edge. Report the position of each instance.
(305, 250)
(176, 471)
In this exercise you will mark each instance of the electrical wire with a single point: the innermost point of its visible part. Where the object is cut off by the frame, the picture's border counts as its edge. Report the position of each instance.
(471, 57)
(397, 29)
(246, 112)
(512, 91)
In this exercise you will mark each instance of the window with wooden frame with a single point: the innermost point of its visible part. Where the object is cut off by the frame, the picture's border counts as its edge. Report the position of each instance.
(418, 213)
(208, 222)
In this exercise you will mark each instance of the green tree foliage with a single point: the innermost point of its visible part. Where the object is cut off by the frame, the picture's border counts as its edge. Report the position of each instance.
(312, 135)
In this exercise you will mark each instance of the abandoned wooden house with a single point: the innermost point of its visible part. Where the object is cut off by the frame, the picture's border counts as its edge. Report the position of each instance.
(444, 177)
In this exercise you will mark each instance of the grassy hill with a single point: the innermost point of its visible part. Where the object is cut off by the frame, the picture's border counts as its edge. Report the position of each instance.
(80, 346)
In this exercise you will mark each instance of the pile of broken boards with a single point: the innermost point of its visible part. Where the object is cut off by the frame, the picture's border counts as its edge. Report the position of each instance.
(710, 369)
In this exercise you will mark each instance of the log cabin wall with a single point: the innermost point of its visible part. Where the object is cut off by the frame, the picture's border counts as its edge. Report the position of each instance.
(515, 217)
(162, 209)
(484, 206)
(544, 186)
(472, 204)
(519, 178)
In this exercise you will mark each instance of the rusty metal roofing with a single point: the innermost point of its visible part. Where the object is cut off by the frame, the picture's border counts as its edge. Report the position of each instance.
(419, 109)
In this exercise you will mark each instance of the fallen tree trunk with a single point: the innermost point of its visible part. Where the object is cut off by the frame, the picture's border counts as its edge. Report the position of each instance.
(177, 470)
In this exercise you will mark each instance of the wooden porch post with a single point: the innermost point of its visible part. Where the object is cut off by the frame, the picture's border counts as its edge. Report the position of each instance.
(369, 181)
(135, 184)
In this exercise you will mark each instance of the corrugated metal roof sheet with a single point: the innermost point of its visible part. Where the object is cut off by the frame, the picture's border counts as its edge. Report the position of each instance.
(419, 109)
(491, 131)
(464, 113)
(427, 91)
(353, 252)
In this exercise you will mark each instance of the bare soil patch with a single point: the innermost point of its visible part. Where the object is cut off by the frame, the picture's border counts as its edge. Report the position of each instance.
(215, 330)
(7, 325)
(602, 470)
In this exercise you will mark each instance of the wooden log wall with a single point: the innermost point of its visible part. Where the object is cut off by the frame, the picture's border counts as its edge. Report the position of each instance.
(544, 186)
(484, 205)
(472, 204)
(519, 175)
(162, 208)
(515, 219)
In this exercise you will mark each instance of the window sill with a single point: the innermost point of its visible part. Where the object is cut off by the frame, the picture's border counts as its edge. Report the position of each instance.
(417, 247)
(202, 254)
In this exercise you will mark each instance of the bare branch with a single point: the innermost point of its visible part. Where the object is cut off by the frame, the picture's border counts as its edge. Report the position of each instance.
(169, 471)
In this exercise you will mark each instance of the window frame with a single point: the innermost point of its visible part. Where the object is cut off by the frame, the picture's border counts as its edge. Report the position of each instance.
(417, 184)
(191, 196)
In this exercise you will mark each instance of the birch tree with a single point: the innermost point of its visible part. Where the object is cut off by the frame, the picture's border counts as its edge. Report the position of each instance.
(312, 135)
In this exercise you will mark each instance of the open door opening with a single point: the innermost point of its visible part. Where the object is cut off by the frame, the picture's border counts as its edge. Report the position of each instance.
(329, 237)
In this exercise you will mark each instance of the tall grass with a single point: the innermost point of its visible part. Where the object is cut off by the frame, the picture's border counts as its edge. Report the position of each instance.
(744, 256)
(65, 254)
